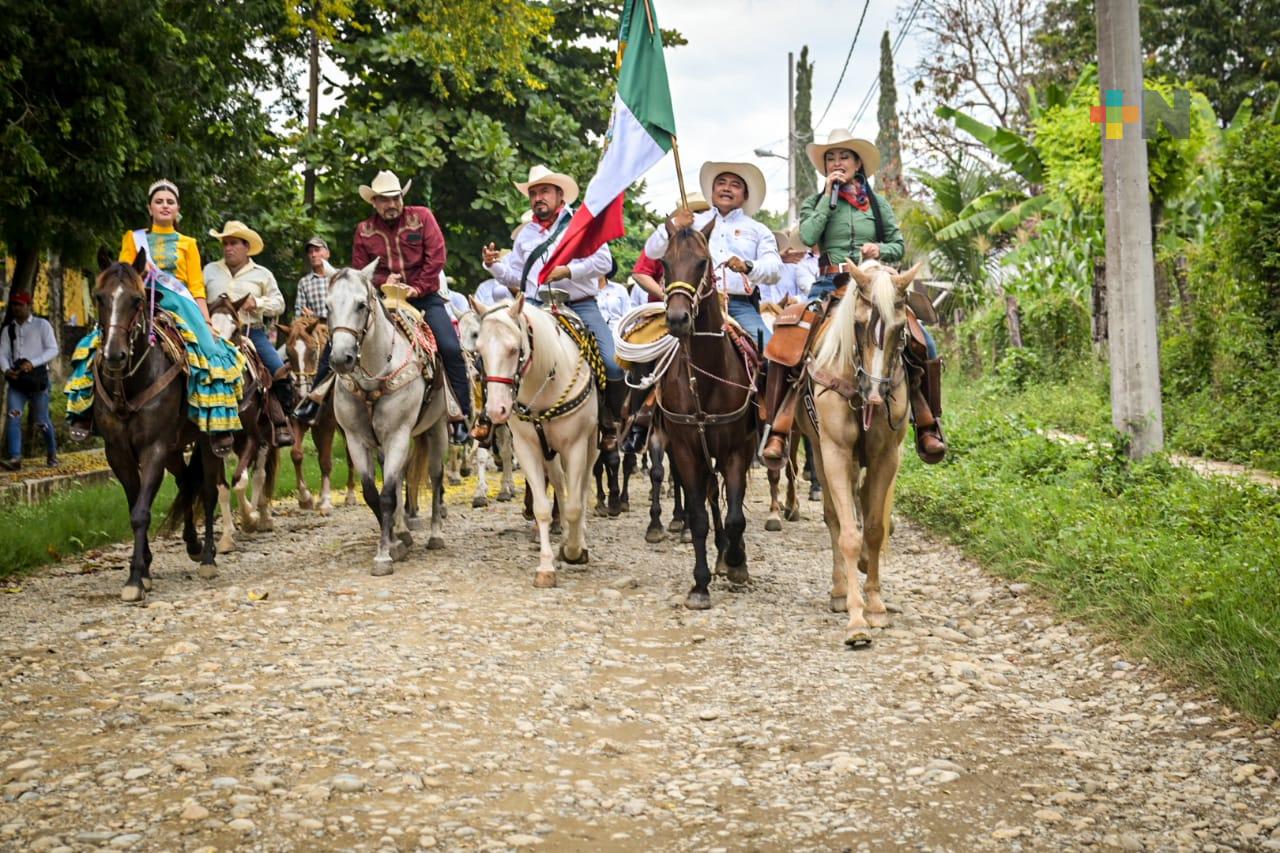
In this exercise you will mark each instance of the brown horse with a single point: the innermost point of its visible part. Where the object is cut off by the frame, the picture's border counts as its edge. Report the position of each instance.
(256, 454)
(305, 339)
(704, 401)
(140, 408)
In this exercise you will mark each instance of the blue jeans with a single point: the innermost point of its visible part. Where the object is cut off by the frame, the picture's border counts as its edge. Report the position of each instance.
(748, 316)
(455, 369)
(17, 402)
(266, 351)
(826, 285)
(589, 311)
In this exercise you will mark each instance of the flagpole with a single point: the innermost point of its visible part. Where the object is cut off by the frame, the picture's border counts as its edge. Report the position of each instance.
(675, 149)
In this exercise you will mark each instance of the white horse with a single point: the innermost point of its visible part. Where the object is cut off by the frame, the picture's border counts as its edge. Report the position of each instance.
(860, 394)
(503, 449)
(533, 370)
(383, 403)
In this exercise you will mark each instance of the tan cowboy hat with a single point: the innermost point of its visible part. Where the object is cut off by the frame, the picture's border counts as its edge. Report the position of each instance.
(750, 174)
(385, 184)
(525, 219)
(236, 228)
(789, 239)
(542, 175)
(697, 202)
(844, 139)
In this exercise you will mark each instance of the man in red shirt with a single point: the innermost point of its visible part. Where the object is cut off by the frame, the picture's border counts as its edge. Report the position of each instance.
(409, 247)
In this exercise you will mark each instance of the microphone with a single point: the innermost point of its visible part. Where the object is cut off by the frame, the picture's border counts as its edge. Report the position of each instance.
(835, 194)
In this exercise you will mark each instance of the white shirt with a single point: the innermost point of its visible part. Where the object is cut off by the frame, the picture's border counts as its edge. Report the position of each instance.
(639, 296)
(614, 301)
(455, 303)
(32, 340)
(249, 279)
(491, 292)
(584, 273)
(735, 234)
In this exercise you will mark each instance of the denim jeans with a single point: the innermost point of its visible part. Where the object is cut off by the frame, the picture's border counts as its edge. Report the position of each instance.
(437, 317)
(742, 309)
(826, 285)
(589, 311)
(266, 351)
(14, 406)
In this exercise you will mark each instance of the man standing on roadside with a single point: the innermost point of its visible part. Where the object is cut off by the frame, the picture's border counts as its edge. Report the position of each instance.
(27, 345)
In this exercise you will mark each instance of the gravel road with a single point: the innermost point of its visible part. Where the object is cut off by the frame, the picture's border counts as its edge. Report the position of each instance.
(454, 706)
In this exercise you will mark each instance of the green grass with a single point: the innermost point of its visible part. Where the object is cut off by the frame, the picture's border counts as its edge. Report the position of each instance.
(80, 519)
(1180, 568)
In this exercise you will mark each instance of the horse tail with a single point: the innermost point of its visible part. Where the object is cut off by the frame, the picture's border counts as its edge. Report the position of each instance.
(839, 342)
(189, 497)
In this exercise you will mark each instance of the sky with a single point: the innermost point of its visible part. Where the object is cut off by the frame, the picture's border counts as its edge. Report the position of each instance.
(729, 83)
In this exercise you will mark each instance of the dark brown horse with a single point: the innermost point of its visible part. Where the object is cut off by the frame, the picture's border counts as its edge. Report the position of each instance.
(704, 400)
(140, 408)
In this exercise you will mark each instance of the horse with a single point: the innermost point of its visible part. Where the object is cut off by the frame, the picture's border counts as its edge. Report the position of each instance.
(141, 412)
(858, 387)
(255, 452)
(533, 370)
(305, 340)
(704, 400)
(502, 443)
(384, 404)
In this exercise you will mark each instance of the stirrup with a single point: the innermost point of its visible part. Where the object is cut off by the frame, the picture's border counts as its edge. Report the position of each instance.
(458, 433)
(482, 432)
(307, 412)
(79, 431)
(221, 443)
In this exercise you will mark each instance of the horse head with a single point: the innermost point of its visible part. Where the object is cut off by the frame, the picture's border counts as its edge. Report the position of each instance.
(120, 298)
(304, 338)
(505, 348)
(352, 302)
(687, 266)
(469, 326)
(224, 316)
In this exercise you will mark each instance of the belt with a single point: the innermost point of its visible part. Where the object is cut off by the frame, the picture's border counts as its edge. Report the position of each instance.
(742, 296)
(831, 269)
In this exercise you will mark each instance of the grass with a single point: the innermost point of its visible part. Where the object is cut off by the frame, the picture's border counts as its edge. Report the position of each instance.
(1180, 568)
(74, 521)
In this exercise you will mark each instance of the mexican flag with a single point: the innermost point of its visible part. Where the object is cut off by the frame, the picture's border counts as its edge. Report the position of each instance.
(640, 133)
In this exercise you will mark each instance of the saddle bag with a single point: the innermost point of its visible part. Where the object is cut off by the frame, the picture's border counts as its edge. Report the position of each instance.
(791, 332)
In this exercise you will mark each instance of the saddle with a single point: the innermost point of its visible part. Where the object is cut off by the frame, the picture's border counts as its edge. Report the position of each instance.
(798, 327)
(587, 344)
(420, 337)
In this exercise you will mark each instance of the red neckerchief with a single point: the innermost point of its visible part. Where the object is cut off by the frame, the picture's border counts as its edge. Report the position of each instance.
(856, 194)
(555, 214)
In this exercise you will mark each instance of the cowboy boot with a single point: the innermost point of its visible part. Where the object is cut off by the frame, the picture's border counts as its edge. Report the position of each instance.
(641, 422)
(482, 431)
(611, 402)
(282, 391)
(926, 407)
(779, 411)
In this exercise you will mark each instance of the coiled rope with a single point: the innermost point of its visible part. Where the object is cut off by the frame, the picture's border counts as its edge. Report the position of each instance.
(660, 352)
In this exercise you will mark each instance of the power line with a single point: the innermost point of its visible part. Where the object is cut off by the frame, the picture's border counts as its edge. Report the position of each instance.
(875, 84)
(849, 56)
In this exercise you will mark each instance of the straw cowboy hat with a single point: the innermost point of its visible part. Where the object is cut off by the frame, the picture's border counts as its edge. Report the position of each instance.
(384, 184)
(844, 139)
(789, 239)
(525, 219)
(697, 202)
(750, 174)
(236, 228)
(542, 175)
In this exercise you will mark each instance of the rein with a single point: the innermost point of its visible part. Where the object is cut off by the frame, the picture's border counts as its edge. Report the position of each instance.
(384, 382)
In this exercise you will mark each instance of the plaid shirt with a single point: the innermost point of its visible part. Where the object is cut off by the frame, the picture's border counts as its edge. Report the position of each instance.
(312, 290)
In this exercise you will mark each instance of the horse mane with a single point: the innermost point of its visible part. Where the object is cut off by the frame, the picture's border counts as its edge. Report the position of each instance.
(542, 328)
(838, 349)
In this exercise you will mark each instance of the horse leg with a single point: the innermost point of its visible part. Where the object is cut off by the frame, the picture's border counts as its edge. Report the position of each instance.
(264, 485)
(350, 496)
(628, 469)
(791, 509)
(735, 522)
(840, 472)
(572, 479)
(598, 470)
(655, 533)
(240, 484)
(774, 522)
(437, 445)
(415, 473)
(877, 504)
(679, 517)
(612, 465)
(150, 477)
(395, 458)
(699, 597)
(540, 505)
(211, 474)
(480, 497)
(717, 524)
(506, 455)
(361, 461)
(305, 500)
(227, 543)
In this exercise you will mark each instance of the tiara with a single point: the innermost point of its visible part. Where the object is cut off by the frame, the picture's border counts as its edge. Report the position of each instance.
(163, 184)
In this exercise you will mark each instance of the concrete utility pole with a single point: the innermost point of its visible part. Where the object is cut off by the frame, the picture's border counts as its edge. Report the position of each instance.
(1131, 301)
(792, 210)
(313, 117)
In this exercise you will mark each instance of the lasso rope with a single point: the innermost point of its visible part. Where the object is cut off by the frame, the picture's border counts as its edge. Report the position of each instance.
(662, 351)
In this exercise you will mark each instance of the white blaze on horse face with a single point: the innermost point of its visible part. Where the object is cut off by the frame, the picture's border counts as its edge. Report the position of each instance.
(115, 340)
(223, 324)
(345, 292)
(500, 353)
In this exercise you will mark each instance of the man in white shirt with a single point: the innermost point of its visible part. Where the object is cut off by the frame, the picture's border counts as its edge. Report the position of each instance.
(745, 247)
(799, 268)
(238, 276)
(27, 346)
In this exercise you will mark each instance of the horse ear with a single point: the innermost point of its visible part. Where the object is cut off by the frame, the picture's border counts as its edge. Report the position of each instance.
(861, 276)
(903, 279)
(475, 306)
(283, 329)
(140, 261)
(368, 269)
(239, 303)
(709, 227)
(105, 258)
(518, 305)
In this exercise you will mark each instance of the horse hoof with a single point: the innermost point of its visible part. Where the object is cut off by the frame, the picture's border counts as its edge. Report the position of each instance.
(815, 494)
(505, 497)
(686, 536)
(625, 506)
(146, 583)
(325, 509)
(544, 580)
(194, 551)
(413, 522)
(455, 480)
(615, 510)
(773, 525)
(792, 515)
(698, 601)
(838, 604)
(435, 543)
(675, 525)
(207, 571)
(581, 560)
(739, 574)
(654, 535)
(858, 638)
(224, 547)
(306, 504)
(601, 510)
(266, 525)
(399, 550)
(479, 501)
(132, 594)
(556, 528)
(381, 568)
(351, 501)
(878, 620)
(405, 537)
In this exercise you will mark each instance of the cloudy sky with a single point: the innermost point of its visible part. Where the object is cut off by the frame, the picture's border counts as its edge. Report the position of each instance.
(729, 83)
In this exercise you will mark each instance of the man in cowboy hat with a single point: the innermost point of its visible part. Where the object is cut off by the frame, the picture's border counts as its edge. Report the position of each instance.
(551, 195)
(743, 251)
(409, 247)
(648, 273)
(239, 277)
(799, 268)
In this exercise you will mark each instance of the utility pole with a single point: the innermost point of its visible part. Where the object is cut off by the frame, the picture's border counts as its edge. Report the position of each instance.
(1131, 301)
(313, 119)
(791, 138)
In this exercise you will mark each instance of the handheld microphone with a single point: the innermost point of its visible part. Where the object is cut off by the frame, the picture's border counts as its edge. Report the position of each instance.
(835, 194)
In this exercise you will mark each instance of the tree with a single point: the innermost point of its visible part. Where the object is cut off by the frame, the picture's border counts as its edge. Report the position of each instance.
(805, 179)
(889, 176)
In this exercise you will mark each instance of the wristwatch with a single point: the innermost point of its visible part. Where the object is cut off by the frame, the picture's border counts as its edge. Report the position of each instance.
(750, 266)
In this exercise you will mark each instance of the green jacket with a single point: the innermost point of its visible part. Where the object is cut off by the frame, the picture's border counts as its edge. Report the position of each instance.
(841, 232)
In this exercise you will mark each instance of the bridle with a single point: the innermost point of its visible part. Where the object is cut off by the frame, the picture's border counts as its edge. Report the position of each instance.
(131, 329)
(524, 359)
(696, 293)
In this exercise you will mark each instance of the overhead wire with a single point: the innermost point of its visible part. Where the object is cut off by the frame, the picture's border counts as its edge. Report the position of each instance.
(857, 32)
(893, 52)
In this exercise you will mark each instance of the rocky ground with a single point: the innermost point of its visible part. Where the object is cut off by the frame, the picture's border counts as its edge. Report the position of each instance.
(297, 703)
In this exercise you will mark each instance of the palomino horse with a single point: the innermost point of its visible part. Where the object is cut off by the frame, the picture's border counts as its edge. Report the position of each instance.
(383, 404)
(305, 340)
(859, 393)
(533, 370)
(705, 403)
(502, 443)
(141, 412)
(255, 452)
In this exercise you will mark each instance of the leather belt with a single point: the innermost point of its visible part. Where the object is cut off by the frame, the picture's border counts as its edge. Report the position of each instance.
(831, 269)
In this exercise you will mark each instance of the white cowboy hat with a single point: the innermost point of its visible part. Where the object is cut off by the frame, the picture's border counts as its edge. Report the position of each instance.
(236, 228)
(750, 174)
(525, 219)
(842, 138)
(385, 184)
(789, 239)
(697, 202)
(542, 175)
